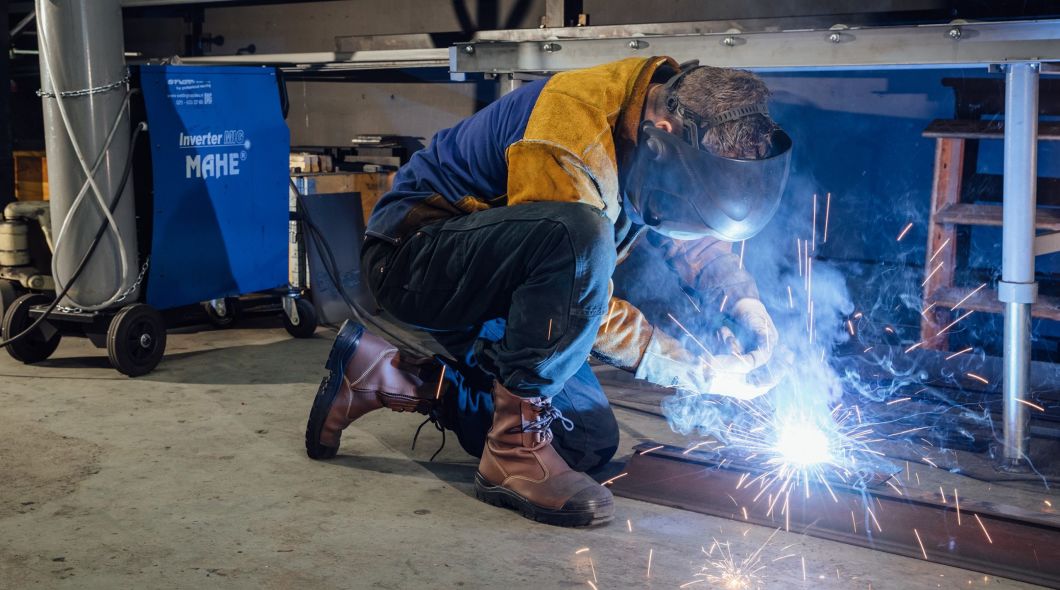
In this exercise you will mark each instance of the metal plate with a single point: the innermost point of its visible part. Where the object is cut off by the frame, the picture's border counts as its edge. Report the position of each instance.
(1010, 542)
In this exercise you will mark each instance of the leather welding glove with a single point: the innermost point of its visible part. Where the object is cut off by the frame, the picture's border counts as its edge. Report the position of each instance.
(752, 316)
(666, 362)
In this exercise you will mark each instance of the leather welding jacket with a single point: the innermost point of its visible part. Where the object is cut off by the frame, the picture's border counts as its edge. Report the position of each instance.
(566, 138)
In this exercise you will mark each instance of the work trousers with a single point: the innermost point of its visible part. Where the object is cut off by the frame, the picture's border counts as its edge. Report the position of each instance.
(514, 294)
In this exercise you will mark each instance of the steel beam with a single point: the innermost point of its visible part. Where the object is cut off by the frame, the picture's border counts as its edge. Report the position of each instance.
(949, 45)
(1017, 288)
(1010, 542)
(378, 59)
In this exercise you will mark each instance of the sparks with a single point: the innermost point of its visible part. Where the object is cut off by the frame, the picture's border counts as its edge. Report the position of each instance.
(932, 273)
(629, 525)
(724, 300)
(743, 243)
(1031, 404)
(850, 327)
(898, 401)
(968, 296)
(611, 312)
(904, 231)
(953, 323)
(694, 339)
(927, 309)
(441, 380)
(921, 543)
(914, 347)
(978, 378)
(957, 502)
(791, 300)
(983, 526)
(617, 477)
(549, 336)
(939, 251)
(813, 234)
(646, 451)
(958, 353)
(690, 299)
(590, 583)
(827, 211)
(651, 552)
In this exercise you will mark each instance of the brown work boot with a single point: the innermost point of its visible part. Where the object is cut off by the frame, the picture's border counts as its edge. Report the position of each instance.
(521, 470)
(368, 373)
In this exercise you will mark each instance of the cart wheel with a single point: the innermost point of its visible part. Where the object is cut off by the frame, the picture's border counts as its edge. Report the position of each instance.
(136, 339)
(307, 319)
(38, 344)
(232, 312)
(9, 292)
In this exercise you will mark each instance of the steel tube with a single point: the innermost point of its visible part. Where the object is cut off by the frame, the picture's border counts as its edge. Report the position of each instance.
(1017, 288)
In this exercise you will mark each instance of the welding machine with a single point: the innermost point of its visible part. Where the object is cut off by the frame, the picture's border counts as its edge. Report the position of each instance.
(211, 218)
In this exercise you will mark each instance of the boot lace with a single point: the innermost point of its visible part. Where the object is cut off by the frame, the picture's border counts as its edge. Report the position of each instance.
(548, 414)
(434, 416)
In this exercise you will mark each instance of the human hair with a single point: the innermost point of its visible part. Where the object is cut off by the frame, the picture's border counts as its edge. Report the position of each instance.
(711, 91)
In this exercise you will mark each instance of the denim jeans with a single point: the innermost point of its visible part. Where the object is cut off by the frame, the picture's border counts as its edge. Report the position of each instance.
(515, 294)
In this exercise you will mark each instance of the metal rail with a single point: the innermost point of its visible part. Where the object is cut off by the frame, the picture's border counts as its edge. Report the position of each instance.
(378, 59)
(1011, 542)
(943, 45)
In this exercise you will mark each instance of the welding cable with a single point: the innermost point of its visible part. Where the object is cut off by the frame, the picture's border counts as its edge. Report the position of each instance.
(91, 248)
(90, 180)
(331, 267)
(80, 199)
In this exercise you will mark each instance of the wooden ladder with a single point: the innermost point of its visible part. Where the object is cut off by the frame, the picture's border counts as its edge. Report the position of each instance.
(941, 296)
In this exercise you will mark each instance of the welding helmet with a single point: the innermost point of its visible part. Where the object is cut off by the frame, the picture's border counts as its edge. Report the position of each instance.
(682, 190)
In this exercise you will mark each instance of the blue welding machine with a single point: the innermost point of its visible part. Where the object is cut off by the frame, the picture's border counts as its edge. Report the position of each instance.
(219, 160)
(213, 205)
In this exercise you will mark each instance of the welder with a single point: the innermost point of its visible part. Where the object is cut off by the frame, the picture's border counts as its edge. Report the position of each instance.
(500, 238)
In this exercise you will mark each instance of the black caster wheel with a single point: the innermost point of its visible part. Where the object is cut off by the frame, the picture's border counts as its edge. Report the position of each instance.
(38, 344)
(9, 292)
(136, 339)
(307, 319)
(225, 317)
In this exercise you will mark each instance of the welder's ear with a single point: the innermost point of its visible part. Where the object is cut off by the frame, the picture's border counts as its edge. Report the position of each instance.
(665, 126)
(651, 142)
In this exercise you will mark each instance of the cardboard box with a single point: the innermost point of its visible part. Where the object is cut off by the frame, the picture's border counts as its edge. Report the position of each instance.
(371, 185)
(31, 175)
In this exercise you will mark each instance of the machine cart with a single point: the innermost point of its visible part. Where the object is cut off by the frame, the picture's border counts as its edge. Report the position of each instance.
(211, 217)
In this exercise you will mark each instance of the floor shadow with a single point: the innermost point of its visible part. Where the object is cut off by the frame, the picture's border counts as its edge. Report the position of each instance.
(457, 474)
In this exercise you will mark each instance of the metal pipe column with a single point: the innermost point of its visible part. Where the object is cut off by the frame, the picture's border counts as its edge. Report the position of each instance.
(1017, 288)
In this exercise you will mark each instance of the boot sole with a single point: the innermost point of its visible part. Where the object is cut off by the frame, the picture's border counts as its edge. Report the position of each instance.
(344, 348)
(591, 515)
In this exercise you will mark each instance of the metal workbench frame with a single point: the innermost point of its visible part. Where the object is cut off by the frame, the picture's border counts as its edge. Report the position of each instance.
(1023, 49)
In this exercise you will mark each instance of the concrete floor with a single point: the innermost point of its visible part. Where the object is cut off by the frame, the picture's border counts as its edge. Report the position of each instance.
(195, 476)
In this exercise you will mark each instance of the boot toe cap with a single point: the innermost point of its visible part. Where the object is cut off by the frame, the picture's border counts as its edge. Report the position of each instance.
(595, 498)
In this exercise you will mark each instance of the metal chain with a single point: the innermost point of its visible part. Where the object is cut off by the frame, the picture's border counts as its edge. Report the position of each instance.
(86, 91)
(139, 279)
(133, 287)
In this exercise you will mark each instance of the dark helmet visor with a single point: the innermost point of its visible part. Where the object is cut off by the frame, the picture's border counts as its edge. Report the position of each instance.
(688, 191)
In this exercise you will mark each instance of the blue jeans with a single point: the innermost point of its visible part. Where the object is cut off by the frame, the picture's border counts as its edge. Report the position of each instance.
(517, 295)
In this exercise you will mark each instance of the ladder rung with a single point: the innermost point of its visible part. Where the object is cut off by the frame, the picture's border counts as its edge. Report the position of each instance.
(986, 301)
(977, 214)
(975, 129)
